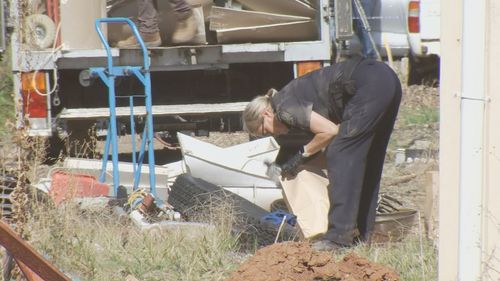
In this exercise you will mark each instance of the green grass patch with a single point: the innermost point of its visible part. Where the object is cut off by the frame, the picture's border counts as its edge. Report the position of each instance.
(6, 94)
(421, 115)
(414, 258)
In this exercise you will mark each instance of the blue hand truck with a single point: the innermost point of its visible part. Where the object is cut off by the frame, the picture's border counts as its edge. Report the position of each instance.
(108, 75)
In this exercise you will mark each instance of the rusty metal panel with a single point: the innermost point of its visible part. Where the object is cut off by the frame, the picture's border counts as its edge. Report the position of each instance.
(288, 7)
(26, 254)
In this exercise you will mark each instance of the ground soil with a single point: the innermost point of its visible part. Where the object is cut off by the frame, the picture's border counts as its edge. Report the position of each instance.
(290, 261)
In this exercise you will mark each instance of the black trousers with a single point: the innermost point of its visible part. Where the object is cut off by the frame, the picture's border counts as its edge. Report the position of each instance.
(355, 157)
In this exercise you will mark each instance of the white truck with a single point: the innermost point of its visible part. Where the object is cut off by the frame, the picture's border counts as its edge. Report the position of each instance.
(243, 48)
(404, 28)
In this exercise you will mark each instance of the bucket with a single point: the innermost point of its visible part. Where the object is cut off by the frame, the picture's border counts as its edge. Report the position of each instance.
(393, 226)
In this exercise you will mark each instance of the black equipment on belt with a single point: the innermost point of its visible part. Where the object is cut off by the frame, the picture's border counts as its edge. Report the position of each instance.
(342, 88)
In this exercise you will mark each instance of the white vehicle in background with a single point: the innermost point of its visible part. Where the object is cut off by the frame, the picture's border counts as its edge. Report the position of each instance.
(424, 27)
(424, 37)
(400, 28)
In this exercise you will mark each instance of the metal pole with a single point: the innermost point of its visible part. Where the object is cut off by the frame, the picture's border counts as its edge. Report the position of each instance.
(114, 134)
(132, 133)
(367, 27)
(151, 150)
(472, 154)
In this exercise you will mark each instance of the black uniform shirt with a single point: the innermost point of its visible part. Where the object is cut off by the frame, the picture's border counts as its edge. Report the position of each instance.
(294, 103)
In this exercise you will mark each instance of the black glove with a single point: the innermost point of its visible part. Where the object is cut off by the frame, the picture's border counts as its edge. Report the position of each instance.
(291, 167)
(273, 171)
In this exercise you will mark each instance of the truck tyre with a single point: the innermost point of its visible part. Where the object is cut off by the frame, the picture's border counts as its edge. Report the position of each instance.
(40, 31)
(187, 193)
(423, 70)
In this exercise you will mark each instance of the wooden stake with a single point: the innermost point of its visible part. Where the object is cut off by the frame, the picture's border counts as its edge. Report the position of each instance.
(431, 201)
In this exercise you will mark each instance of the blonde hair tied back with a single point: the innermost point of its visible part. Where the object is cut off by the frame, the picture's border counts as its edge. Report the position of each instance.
(252, 115)
(271, 92)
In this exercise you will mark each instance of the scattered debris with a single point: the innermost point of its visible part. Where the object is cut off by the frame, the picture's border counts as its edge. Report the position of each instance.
(144, 203)
(387, 204)
(401, 179)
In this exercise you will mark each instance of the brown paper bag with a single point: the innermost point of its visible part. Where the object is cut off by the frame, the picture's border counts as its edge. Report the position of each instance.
(307, 197)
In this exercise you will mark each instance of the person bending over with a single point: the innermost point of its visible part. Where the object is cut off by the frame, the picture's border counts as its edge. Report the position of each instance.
(350, 109)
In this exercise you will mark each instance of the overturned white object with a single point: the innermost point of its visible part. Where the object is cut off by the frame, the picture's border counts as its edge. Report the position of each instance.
(174, 169)
(240, 169)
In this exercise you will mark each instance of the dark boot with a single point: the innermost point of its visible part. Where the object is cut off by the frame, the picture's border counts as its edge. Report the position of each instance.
(327, 245)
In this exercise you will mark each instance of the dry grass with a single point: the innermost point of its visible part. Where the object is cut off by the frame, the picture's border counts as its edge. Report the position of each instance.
(97, 245)
(414, 258)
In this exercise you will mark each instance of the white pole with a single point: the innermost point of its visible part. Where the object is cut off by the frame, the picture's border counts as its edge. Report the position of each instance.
(472, 139)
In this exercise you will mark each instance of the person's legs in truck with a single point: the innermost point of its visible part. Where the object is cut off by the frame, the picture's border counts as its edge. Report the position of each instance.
(186, 23)
(148, 19)
(147, 24)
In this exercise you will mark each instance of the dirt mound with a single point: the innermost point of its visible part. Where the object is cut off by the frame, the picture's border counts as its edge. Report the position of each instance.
(297, 261)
